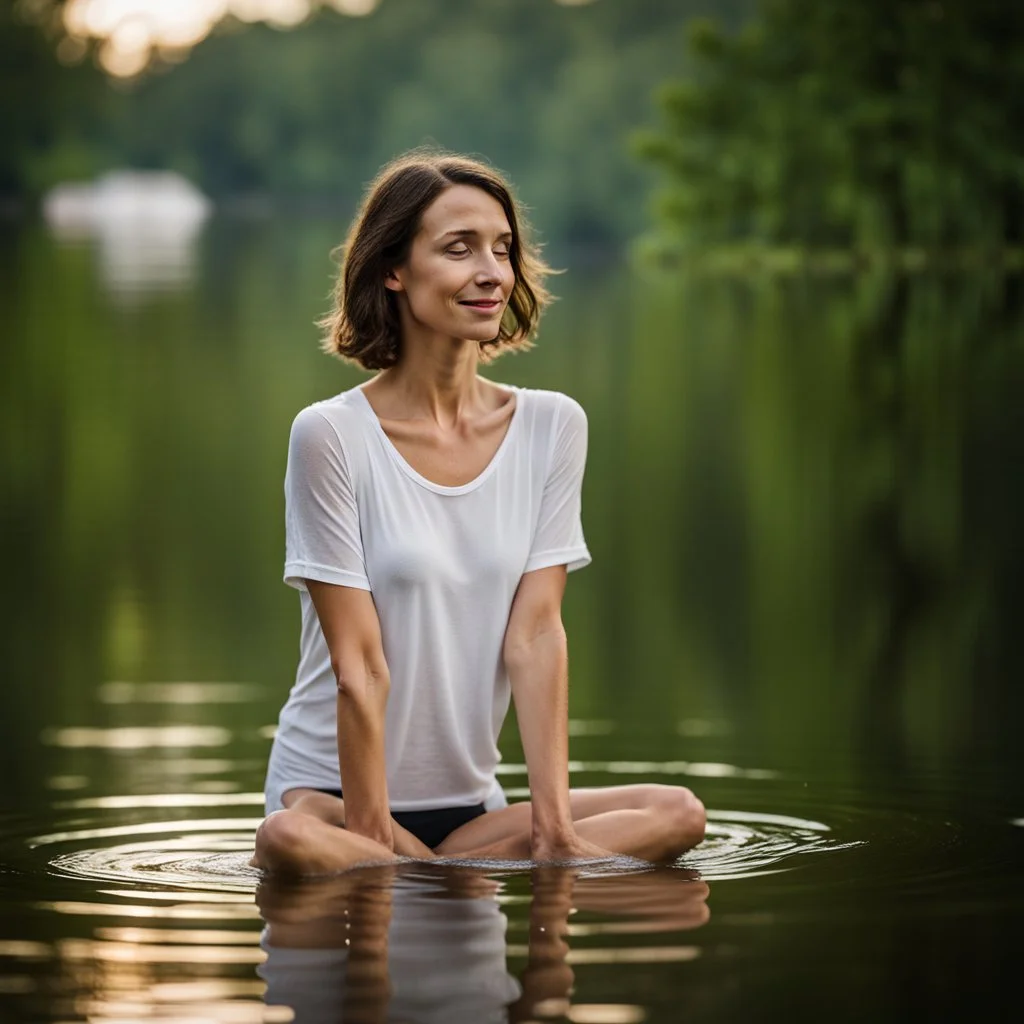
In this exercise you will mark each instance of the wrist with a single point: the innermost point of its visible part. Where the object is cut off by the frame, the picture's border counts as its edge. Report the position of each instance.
(405, 844)
(379, 830)
(550, 808)
(554, 829)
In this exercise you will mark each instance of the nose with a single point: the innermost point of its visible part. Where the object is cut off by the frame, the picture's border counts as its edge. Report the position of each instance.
(488, 270)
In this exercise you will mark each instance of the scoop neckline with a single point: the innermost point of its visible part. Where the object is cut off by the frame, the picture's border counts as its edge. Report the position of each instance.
(431, 485)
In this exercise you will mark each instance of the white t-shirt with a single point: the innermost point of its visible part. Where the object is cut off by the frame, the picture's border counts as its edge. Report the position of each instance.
(442, 564)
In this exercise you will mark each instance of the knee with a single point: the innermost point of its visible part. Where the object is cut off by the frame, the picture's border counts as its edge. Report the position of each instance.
(280, 840)
(682, 815)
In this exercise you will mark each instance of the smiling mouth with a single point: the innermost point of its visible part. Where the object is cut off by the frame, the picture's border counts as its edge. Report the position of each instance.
(484, 305)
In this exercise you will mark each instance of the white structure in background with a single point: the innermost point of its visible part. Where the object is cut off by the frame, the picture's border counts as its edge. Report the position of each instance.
(144, 223)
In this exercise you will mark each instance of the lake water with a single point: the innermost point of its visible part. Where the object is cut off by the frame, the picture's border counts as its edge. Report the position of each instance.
(804, 500)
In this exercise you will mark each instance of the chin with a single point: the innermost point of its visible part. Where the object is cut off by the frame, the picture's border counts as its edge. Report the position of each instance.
(484, 332)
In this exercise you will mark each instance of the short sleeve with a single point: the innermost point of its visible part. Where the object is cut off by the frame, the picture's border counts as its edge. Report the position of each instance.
(558, 537)
(322, 538)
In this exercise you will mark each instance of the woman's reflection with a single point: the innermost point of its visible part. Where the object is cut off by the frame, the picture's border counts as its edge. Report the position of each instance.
(382, 944)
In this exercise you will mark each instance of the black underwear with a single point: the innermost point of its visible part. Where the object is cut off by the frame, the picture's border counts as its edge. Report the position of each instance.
(431, 827)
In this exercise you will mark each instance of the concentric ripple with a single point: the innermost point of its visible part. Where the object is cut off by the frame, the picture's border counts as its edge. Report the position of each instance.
(214, 854)
(742, 844)
(210, 854)
(738, 844)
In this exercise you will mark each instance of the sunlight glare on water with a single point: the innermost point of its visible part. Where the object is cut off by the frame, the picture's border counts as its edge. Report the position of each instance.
(139, 737)
(803, 514)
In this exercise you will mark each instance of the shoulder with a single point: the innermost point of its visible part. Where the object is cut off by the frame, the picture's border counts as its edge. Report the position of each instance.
(556, 410)
(557, 426)
(333, 422)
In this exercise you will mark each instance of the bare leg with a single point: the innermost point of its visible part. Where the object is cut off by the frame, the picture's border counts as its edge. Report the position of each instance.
(305, 838)
(294, 843)
(651, 822)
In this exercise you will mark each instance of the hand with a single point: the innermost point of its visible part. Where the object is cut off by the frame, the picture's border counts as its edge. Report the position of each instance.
(405, 844)
(379, 832)
(565, 848)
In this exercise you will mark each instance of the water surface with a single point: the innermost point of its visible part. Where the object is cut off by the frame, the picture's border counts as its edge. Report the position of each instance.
(802, 499)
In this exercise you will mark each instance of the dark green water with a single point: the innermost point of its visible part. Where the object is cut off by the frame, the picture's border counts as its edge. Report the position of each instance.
(804, 501)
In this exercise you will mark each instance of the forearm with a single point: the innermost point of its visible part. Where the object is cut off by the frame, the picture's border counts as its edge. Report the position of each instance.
(539, 674)
(362, 701)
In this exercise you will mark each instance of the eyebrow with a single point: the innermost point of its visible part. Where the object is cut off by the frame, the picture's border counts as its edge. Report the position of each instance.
(471, 232)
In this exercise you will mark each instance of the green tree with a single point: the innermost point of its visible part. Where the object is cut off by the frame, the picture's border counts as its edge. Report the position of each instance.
(877, 124)
(43, 108)
(548, 92)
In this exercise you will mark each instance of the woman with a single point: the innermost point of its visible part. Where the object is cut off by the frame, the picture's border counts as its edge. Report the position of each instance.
(431, 519)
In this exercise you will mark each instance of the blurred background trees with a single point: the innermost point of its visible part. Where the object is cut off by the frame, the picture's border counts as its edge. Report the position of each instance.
(881, 124)
(46, 110)
(547, 91)
(878, 124)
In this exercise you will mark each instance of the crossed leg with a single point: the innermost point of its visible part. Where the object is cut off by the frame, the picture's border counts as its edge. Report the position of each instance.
(651, 822)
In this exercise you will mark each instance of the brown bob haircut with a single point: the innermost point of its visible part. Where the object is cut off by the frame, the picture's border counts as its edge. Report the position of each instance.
(363, 326)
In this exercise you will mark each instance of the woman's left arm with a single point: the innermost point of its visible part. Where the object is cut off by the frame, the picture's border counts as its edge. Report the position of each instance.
(537, 660)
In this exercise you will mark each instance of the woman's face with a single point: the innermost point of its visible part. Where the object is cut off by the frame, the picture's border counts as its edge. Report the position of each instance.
(458, 277)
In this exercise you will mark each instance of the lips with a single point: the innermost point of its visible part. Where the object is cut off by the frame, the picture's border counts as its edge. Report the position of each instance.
(484, 305)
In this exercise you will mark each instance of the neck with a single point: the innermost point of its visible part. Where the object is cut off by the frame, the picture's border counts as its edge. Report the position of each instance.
(436, 378)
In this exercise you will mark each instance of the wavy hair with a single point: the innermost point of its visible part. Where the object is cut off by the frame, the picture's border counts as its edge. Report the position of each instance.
(363, 325)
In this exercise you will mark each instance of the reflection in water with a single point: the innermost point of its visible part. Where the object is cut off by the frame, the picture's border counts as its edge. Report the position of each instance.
(145, 225)
(172, 693)
(24, 950)
(246, 827)
(373, 942)
(805, 506)
(697, 769)
(139, 737)
(182, 936)
(178, 957)
(381, 944)
(166, 800)
(180, 911)
(67, 782)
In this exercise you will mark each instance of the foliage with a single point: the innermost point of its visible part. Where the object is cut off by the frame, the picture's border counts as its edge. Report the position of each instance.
(879, 124)
(45, 108)
(548, 92)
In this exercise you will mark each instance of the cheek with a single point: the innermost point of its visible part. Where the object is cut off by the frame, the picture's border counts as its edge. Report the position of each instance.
(434, 285)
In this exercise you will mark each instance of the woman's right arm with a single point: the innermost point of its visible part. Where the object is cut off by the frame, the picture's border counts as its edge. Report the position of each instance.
(348, 619)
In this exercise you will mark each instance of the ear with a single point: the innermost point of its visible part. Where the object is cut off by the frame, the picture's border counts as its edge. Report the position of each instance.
(392, 281)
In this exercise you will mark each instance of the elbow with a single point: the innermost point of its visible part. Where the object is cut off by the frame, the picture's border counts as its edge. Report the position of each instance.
(364, 685)
(522, 650)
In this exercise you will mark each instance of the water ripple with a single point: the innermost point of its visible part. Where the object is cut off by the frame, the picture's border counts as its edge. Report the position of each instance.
(210, 854)
(743, 844)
